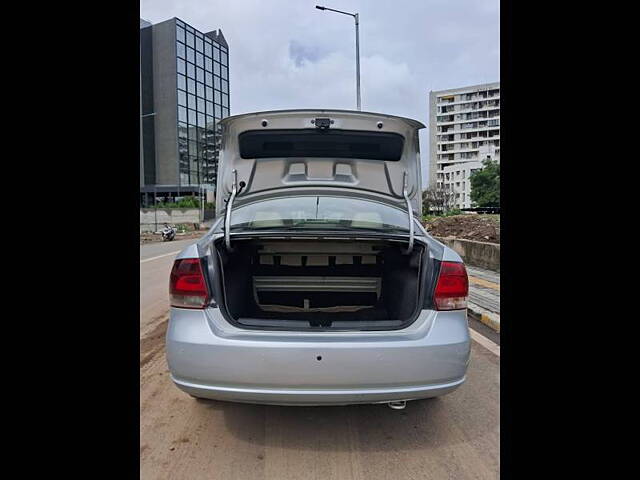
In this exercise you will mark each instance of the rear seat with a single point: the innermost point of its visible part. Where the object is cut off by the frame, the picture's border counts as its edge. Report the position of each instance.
(317, 260)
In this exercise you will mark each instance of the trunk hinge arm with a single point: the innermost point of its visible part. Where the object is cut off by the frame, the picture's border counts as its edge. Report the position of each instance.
(227, 214)
(405, 193)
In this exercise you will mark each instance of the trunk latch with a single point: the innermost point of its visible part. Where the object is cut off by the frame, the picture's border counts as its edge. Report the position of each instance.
(322, 123)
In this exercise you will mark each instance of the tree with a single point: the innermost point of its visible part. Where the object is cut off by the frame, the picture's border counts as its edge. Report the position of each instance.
(437, 199)
(485, 185)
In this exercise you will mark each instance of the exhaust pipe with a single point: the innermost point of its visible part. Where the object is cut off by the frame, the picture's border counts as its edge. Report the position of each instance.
(399, 405)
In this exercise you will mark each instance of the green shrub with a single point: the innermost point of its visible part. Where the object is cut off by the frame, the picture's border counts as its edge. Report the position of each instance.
(186, 202)
(448, 213)
(452, 212)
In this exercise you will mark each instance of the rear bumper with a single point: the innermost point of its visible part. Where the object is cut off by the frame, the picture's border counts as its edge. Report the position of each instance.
(315, 397)
(210, 358)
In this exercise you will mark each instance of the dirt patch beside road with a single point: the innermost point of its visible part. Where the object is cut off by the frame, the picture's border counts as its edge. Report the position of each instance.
(153, 343)
(482, 228)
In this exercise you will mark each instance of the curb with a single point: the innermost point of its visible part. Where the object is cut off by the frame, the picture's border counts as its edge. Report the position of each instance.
(490, 319)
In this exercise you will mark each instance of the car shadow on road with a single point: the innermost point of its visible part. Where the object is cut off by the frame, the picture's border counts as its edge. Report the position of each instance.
(429, 423)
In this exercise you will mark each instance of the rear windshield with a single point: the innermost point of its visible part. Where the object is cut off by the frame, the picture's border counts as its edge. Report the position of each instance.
(314, 142)
(314, 212)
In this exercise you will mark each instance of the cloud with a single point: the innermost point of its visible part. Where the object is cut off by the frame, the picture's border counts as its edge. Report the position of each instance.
(287, 54)
(301, 53)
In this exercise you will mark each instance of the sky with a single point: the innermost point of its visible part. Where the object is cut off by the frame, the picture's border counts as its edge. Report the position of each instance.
(287, 54)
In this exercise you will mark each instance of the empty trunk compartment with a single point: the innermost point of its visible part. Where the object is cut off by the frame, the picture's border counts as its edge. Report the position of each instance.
(322, 284)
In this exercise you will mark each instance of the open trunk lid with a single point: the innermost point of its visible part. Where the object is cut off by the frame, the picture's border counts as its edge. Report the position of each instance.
(276, 152)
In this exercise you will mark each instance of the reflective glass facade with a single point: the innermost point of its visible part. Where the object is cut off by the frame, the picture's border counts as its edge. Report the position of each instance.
(184, 90)
(202, 69)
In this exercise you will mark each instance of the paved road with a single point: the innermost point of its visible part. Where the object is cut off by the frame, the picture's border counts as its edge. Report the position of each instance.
(456, 436)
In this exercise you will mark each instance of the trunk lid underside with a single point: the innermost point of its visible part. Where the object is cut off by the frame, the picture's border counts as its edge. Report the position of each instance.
(289, 152)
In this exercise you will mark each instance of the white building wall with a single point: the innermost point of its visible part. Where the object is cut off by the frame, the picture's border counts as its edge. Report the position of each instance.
(456, 179)
(464, 130)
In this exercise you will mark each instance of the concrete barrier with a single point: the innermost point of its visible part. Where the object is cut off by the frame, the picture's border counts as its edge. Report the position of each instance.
(149, 217)
(477, 254)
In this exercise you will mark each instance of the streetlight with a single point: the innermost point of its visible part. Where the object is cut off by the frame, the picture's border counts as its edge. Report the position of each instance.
(356, 18)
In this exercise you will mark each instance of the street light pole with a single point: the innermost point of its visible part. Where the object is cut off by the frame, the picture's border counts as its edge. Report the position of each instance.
(356, 17)
(155, 207)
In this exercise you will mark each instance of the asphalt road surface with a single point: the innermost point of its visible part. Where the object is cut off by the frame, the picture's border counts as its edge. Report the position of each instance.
(456, 436)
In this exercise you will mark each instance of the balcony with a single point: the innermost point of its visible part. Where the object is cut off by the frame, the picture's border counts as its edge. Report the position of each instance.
(474, 99)
(460, 150)
(479, 108)
(451, 123)
(475, 138)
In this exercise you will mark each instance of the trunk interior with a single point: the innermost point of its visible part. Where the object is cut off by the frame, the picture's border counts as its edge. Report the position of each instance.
(323, 284)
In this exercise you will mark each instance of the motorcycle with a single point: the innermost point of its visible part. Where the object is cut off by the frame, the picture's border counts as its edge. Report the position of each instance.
(168, 233)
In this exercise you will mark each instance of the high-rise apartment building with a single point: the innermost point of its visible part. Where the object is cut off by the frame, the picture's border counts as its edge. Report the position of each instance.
(184, 92)
(464, 130)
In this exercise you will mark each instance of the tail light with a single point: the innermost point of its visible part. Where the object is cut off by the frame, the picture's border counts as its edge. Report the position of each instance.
(452, 288)
(187, 287)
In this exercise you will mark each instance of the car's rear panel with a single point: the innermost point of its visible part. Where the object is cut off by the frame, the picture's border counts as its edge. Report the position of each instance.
(210, 358)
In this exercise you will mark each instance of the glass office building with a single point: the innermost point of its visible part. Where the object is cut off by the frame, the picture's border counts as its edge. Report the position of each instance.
(202, 69)
(188, 74)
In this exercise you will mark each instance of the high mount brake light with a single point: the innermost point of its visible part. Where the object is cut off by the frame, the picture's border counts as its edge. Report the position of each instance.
(187, 287)
(452, 288)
